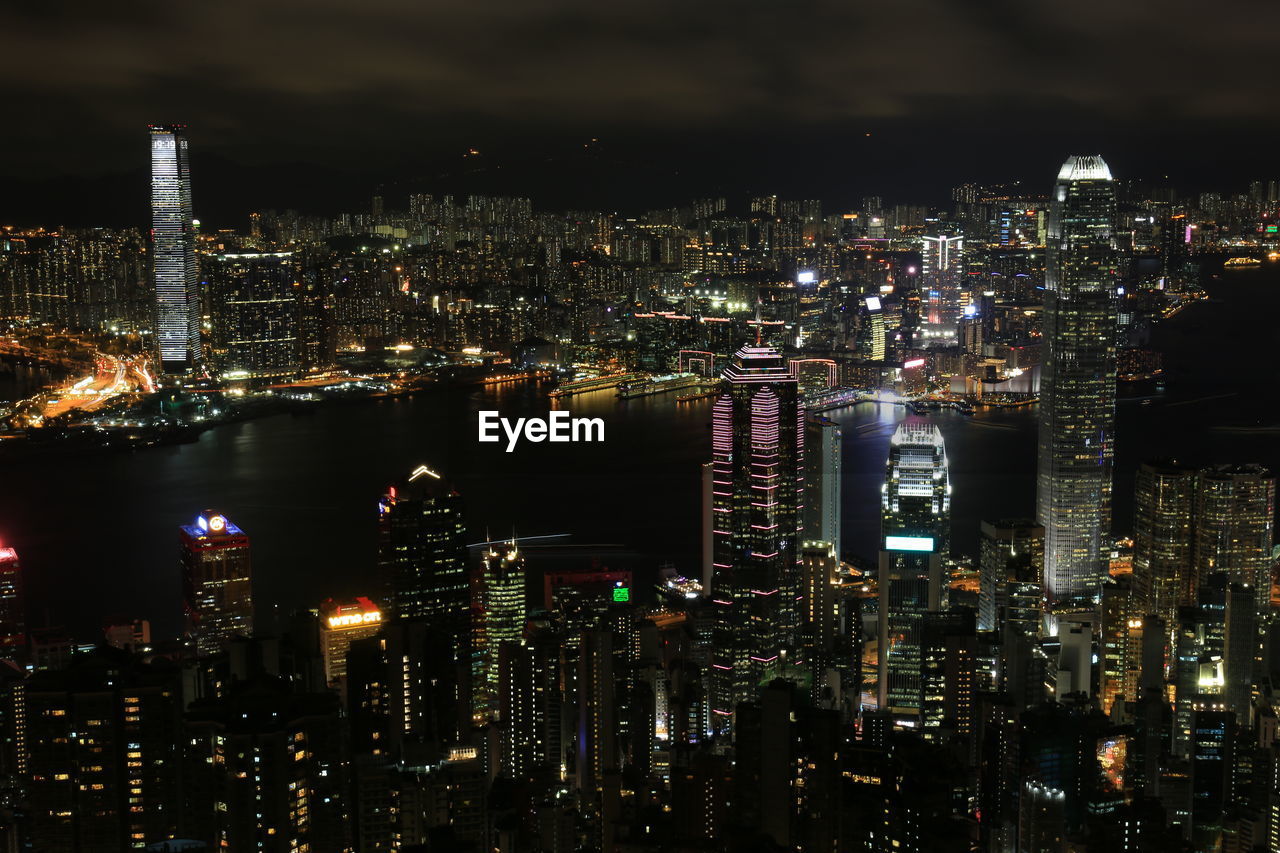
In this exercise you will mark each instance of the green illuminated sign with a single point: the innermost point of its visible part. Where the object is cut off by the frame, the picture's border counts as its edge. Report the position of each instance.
(622, 593)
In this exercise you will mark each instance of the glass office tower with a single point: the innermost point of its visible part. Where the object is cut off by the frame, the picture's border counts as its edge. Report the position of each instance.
(1078, 384)
(915, 524)
(177, 286)
(757, 497)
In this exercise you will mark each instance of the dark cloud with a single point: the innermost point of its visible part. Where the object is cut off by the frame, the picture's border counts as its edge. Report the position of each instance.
(333, 79)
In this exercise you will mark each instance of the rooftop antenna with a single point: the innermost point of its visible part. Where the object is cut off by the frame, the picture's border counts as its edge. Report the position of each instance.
(759, 324)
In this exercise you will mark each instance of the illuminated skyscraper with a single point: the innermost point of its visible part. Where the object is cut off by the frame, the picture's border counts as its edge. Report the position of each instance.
(341, 624)
(218, 581)
(1078, 384)
(254, 308)
(822, 479)
(869, 338)
(757, 510)
(1010, 576)
(1235, 518)
(1164, 576)
(915, 523)
(499, 611)
(13, 616)
(423, 551)
(942, 278)
(177, 285)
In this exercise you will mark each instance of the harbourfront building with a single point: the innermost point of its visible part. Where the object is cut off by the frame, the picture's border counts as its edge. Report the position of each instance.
(177, 283)
(254, 310)
(757, 496)
(1076, 442)
(915, 522)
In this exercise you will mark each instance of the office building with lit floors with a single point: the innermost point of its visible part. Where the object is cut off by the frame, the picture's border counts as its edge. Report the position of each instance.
(757, 496)
(915, 523)
(254, 309)
(823, 466)
(423, 552)
(341, 624)
(1235, 527)
(1010, 576)
(177, 283)
(942, 280)
(1076, 442)
(217, 581)
(499, 609)
(1164, 576)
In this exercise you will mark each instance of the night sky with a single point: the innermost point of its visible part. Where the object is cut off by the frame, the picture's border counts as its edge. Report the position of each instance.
(312, 103)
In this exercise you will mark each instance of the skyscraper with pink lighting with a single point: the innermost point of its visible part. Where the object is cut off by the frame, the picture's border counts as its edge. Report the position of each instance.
(757, 496)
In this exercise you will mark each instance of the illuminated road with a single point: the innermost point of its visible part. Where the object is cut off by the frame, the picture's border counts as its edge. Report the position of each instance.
(113, 376)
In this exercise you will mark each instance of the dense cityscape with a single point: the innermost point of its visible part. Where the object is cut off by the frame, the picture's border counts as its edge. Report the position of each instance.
(1072, 684)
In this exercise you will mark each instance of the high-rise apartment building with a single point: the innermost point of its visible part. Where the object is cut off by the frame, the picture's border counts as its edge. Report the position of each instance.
(757, 496)
(1078, 384)
(218, 581)
(915, 522)
(177, 283)
(103, 750)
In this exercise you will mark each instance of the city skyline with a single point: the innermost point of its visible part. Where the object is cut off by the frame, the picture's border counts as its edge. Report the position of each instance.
(845, 572)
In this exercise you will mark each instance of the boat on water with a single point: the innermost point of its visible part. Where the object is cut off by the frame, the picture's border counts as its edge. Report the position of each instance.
(1241, 263)
(658, 385)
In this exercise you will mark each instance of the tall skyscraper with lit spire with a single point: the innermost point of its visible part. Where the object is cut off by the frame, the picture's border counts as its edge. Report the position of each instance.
(1078, 384)
(423, 552)
(177, 284)
(757, 497)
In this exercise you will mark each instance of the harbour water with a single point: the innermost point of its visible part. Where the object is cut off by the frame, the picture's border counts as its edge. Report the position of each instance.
(97, 533)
